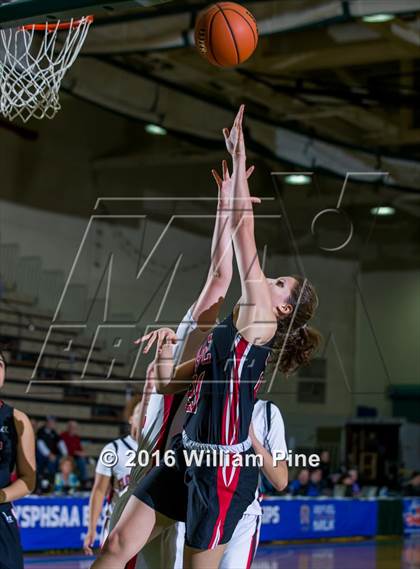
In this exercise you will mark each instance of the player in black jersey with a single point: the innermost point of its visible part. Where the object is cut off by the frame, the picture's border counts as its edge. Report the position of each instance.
(17, 453)
(269, 322)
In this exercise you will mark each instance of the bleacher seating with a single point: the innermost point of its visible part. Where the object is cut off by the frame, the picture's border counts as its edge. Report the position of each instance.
(58, 388)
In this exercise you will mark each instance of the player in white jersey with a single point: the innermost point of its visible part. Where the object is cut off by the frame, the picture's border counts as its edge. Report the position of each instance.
(162, 417)
(111, 476)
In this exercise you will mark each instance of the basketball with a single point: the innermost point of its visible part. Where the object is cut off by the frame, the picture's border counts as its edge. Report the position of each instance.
(226, 34)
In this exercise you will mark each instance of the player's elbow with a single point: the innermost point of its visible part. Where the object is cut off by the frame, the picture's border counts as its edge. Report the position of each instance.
(32, 484)
(29, 479)
(164, 387)
(280, 485)
(282, 481)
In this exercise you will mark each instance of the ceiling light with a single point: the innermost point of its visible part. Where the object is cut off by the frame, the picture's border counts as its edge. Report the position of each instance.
(155, 129)
(382, 210)
(297, 179)
(378, 18)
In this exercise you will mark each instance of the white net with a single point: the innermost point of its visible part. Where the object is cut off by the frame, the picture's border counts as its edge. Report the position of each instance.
(32, 66)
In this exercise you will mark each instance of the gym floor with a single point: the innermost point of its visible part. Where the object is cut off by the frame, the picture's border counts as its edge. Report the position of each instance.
(392, 554)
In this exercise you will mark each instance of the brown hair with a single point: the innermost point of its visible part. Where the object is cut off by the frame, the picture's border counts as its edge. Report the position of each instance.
(295, 342)
(130, 406)
(69, 459)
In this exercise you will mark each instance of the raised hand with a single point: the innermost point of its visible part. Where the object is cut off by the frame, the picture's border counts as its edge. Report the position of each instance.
(224, 185)
(162, 337)
(235, 137)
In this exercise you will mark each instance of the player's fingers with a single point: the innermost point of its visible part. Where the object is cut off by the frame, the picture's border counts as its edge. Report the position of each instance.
(163, 338)
(239, 117)
(250, 171)
(226, 133)
(226, 175)
(254, 199)
(150, 342)
(170, 338)
(217, 178)
(143, 338)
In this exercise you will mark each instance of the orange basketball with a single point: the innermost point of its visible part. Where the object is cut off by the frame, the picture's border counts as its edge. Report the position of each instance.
(226, 34)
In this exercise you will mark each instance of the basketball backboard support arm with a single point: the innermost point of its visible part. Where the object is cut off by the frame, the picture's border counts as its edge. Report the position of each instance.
(17, 12)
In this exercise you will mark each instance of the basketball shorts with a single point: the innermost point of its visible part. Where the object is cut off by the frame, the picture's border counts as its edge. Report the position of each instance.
(11, 555)
(239, 553)
(210, 499)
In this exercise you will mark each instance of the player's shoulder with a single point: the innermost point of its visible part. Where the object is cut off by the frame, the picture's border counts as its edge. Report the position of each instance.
(21, 420)
(112, 445)
(262, 407)
(19, 415)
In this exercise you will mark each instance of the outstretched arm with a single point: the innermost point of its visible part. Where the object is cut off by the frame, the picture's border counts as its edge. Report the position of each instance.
(206, 309)
(256, 319)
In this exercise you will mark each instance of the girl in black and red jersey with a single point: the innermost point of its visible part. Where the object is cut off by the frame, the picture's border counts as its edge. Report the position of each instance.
(17, 454)
(271, 317)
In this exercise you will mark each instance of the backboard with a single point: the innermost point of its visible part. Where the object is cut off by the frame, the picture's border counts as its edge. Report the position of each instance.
(17, 12)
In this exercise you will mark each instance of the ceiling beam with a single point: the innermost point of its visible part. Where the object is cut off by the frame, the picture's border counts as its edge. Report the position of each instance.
(28, 11)
(364, 53)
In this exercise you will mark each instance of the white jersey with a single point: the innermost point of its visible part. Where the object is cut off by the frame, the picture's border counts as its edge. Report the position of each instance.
(158, 408)
(113, 461)
(272, 440)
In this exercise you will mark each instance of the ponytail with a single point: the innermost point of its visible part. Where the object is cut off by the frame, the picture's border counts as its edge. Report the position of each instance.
(297, 349)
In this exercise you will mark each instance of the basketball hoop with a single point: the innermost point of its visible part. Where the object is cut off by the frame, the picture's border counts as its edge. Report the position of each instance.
(34, 59)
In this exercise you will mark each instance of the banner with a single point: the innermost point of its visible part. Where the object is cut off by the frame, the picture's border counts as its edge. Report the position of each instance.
(53, 522)
(61, 522)
(317, 518)
(411, 515)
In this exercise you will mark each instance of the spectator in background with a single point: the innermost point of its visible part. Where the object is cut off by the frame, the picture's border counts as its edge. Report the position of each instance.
(316, 484)
(350, 481)
(300, 486)
(66, 481)
(325, 465)
(412, 488)
(49, 448)
(74, 449)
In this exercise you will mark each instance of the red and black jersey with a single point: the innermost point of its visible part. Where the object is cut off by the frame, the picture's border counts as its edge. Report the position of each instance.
(8, 444)
(227, 375)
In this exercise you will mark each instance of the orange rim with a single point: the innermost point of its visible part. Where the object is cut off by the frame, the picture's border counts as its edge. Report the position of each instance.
(51, 27)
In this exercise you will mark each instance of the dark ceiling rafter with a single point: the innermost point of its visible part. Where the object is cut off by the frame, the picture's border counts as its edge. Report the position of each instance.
(191, 9)
(377, 96)
(28, 11)
(232, 108)
(257, 148)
